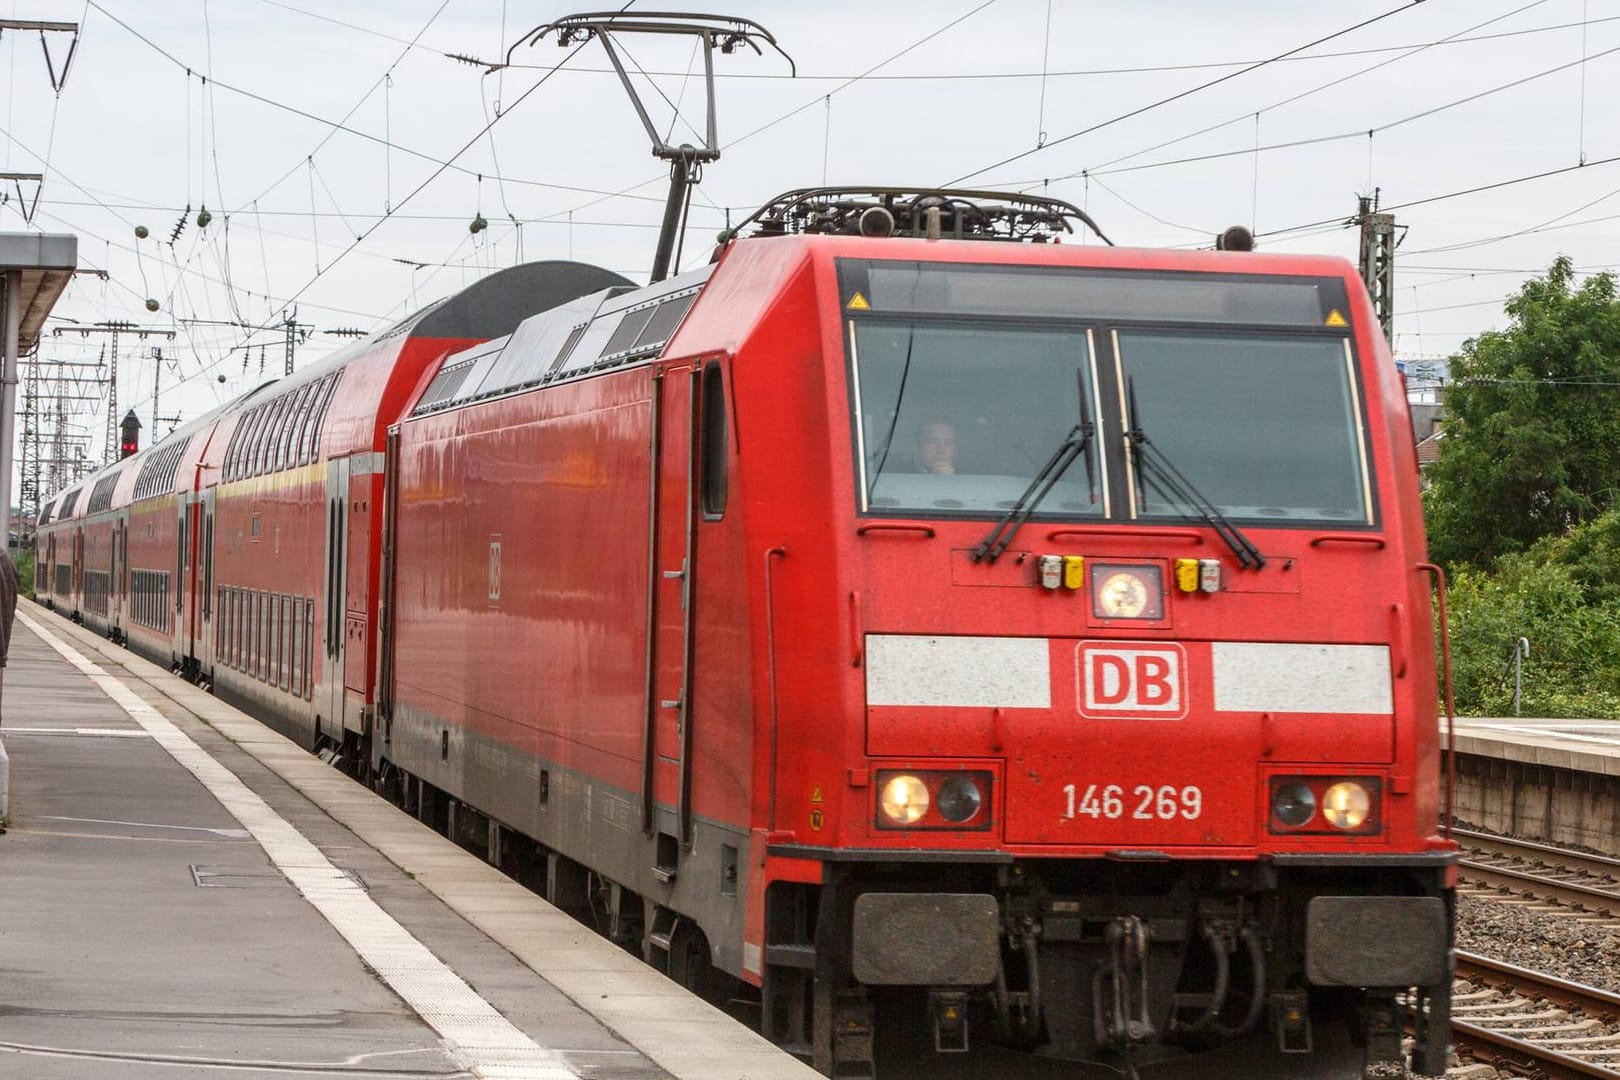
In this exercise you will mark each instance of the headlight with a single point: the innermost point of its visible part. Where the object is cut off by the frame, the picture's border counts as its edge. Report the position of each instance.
(1294, 804)
(954, 799)
(959, 799)
(1326, 805)
(1127, 592)
(1346, 805)
(904, 799)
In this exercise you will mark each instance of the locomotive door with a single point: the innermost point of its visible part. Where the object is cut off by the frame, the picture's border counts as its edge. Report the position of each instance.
(202, 638)
(668, 776)
(182, 566)
(120, 575)
(329, 698)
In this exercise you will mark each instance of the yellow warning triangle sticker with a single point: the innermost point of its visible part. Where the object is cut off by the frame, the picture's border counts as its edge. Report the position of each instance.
(815, 792)
(1333, 319)
(858, 303)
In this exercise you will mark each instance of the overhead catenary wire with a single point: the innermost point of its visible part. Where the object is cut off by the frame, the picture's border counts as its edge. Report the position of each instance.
(784, 117)
(1360, 133)
(1183, 93)
(335, 125)
(1088, 73)
(1304, 94)
(1339, 221)
(477, 137)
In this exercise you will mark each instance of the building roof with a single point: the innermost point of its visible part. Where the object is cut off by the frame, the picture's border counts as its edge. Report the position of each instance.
(47, 262)
(1428, 450)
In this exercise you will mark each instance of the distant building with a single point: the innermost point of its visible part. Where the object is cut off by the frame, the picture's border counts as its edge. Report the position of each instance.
(1426, 376)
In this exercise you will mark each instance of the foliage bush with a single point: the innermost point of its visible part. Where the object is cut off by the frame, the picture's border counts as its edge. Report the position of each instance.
(1563, 594)
(25, 572)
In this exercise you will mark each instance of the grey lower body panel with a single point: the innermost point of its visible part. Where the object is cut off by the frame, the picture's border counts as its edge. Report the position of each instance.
(593, 823)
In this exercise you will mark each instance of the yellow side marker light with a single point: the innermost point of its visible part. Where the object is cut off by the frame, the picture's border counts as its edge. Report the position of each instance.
(1187, 575)
(1074, 572)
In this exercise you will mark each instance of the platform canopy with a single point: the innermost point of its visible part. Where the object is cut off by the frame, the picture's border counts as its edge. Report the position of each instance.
(46, 262)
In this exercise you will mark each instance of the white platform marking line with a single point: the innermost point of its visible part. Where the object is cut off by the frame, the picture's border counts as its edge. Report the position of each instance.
(89, 732)
(1544, 731)
(234, 834)
(483, 1041)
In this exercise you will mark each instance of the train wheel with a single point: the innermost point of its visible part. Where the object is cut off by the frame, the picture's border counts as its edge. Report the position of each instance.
(690, 964)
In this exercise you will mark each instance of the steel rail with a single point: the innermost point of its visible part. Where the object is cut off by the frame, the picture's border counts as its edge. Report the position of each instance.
(1543, 871)
(1511, 1047)
(1596, 865)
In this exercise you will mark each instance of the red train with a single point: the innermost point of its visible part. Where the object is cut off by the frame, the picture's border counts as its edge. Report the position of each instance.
(906, 615)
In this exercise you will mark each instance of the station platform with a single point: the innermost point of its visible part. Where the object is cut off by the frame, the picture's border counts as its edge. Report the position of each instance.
(1541, 779)
(185, 893)
(1591, 746)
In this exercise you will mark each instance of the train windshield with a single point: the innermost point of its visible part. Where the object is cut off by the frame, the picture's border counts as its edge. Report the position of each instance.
(956, 417)
(1266, 427)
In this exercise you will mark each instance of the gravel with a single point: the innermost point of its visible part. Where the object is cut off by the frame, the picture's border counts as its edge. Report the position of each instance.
(1552, 942)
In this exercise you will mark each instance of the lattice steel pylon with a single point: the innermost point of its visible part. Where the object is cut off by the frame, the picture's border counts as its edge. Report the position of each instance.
(113, 328)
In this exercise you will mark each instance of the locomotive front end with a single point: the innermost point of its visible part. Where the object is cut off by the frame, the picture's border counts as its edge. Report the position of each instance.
(1136, 628)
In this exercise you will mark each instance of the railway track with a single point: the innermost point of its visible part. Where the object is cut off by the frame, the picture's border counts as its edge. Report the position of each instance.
(1525, 1022)
(1579, 880)
(1529, 1024)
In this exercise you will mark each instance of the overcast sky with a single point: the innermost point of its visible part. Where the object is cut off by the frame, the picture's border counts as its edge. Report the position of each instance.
(317, 135)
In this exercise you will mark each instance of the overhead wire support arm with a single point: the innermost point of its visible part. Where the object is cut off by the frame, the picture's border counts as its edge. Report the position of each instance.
(686, 160)
(58, 78)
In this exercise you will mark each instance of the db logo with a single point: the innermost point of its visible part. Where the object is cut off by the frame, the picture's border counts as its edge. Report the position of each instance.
(1126, 680)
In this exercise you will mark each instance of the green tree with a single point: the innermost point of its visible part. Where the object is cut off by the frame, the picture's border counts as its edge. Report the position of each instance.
(1532, 445)
(1563, 594)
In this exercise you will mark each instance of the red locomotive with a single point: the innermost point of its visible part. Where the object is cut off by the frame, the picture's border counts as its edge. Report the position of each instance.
(905, 615)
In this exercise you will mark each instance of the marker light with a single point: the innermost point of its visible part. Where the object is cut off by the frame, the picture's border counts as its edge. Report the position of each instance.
(1127, 592)
(904, 799)
(959, 799)
(1293, 804)
(1346, 805)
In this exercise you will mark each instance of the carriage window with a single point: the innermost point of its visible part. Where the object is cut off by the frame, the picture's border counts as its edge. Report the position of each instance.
(714, 462)
(956, 419)
(1266, 427)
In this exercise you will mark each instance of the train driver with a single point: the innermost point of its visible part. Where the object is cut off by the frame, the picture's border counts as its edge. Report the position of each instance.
(934, 450)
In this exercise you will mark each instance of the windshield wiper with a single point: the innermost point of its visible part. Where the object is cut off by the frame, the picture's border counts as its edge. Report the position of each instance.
(1158, 470)
(1076, 442)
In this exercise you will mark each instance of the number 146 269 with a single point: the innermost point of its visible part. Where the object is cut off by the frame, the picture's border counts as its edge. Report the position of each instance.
(1144, 802)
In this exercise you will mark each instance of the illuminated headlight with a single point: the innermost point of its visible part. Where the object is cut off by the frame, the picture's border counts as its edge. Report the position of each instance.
(959, 799)
(1293, 804)
(1127, 592)
(1346, 805)
(904, 799)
